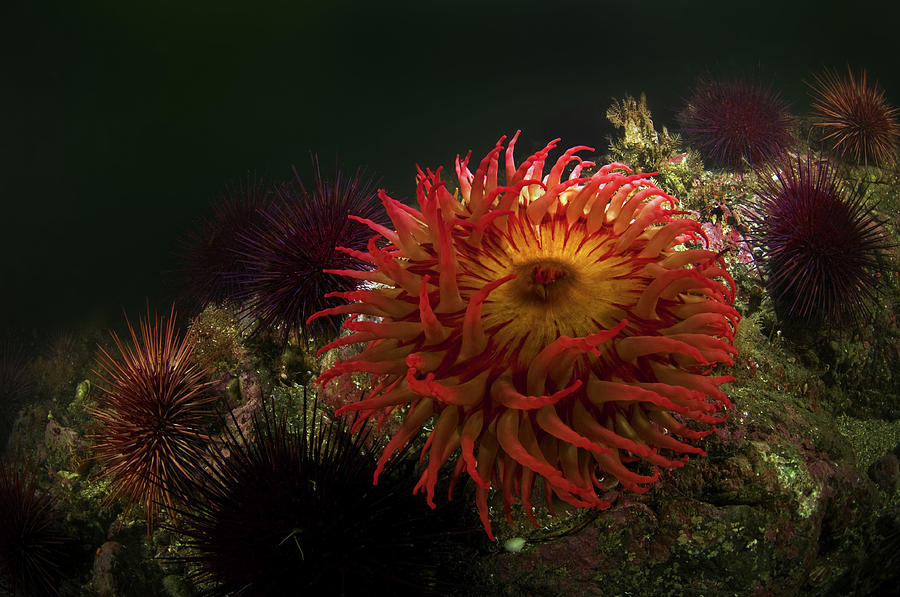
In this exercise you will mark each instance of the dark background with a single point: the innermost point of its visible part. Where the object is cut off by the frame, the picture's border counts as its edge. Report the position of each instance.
(120, 121)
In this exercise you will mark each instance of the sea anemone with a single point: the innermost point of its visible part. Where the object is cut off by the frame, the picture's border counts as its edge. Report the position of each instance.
(553, 328)
(283, 254)
(209, 260)
(820, 244)
(36, 551)
(855, 118)
(152, 414)
(287, 509)
(730, 122)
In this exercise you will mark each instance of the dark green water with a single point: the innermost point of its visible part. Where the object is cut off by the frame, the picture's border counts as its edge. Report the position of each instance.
(120, 121)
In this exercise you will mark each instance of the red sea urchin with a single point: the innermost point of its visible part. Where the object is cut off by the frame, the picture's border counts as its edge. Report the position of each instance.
(855, 118)
(550, 326)
(152, 415)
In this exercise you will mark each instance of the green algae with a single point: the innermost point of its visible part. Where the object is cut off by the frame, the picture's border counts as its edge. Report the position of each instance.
(793, 475)
(218, 341)
(645, 149)
(868, 439)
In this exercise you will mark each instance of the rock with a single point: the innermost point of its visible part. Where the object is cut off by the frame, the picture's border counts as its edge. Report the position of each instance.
(105, 563)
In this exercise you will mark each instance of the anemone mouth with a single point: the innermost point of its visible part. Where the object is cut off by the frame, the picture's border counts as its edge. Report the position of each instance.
(566, 282)
(544, 281)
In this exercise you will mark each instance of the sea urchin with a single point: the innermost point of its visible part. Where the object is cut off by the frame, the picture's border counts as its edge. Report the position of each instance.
(36, 551)
(820, 243)
(210, 263)
(729, 122)
(552, 328)
(152, 415)
(283, 253)
(285, 510)
(855, 118)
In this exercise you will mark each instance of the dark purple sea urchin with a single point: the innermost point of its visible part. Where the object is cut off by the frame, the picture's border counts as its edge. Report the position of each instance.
(283, 253)
(291, 510)
(855, 118)
(35, 548)
(731, 121)
(820, 243)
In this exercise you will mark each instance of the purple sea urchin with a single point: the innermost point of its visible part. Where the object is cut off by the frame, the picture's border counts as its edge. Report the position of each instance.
(209, 260)
(731, 121)
(855, 118)
(284, 253)
(820, 242)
